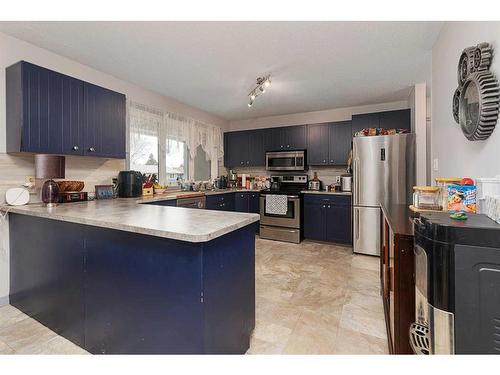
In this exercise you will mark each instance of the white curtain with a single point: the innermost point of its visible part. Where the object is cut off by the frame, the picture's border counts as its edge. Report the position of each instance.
(144, 121)
(173, 127)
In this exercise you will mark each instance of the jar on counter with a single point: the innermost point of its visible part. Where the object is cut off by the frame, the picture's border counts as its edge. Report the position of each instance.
(442, 183)
(426, 198)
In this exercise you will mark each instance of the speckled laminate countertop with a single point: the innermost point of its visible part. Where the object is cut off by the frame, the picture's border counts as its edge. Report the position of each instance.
(178, 223)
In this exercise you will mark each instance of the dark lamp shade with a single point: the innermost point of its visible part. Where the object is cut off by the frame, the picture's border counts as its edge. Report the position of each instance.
(49, 166)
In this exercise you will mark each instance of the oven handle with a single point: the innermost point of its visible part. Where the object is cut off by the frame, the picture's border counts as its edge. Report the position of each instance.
(288, 196)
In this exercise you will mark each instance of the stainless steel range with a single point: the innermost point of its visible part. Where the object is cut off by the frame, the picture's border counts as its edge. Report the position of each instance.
(281, 208)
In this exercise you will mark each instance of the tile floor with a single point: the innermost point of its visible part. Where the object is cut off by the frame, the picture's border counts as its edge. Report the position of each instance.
(311, 298)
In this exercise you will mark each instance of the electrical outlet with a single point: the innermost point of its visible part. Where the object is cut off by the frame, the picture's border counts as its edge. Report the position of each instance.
(30, 184)
(337, 179)
(29, 180)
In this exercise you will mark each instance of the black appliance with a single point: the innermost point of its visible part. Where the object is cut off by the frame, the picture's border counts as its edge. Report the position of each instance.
(73, 196)
(457, 285)
(129, 184)
(222, 182)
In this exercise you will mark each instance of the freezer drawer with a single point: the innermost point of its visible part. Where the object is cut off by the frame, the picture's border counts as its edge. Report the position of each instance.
(366, 225)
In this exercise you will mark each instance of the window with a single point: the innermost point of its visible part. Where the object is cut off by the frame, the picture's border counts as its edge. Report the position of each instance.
(176, 162)
(172, 146)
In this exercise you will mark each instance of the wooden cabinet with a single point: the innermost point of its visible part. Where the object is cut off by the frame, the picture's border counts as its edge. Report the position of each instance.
(327, 217)
(49, 112)
(397, 276)
(329, 144)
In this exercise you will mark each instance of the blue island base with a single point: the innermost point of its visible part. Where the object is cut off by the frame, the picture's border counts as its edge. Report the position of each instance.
(111, 291)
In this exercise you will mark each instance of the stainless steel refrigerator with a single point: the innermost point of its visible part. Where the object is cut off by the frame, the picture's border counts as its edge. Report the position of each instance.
(383, 172)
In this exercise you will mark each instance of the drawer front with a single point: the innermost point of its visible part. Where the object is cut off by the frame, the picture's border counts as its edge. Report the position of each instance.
(340, 200)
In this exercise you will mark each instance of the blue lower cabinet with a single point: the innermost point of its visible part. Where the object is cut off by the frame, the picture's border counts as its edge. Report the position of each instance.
(328, 218)
(254, 202)
(220, 202)
(241, 202)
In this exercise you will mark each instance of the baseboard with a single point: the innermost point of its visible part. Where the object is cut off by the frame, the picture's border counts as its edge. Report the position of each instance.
(4, 301)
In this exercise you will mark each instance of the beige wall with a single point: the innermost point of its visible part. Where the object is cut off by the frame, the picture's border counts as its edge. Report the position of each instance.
(418, 105)
(330, 115)
(456, 155)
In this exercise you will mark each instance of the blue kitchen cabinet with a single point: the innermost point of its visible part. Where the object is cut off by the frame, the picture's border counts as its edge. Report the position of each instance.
(104, 122)
(314, 220)
(254, 202)
(220, 202)
(365, 120)
(49, 112)
(399, 119)
(44, 111)
(327, 217)
(241, 202)
(318, 144)
(340, 142)
(289, 138)
(257, 147)
(236, 152)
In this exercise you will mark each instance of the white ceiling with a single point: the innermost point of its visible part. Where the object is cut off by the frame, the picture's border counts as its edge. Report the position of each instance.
(213, 65)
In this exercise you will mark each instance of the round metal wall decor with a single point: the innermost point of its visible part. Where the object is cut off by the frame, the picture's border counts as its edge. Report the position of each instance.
(476, 101)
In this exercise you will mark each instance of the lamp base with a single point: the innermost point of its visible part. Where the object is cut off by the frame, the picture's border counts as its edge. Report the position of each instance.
(50, 193)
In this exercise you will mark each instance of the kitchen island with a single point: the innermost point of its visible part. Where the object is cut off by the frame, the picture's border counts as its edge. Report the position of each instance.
(121, 277)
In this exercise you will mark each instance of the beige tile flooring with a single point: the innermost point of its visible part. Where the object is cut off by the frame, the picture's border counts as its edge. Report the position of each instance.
(311, 298)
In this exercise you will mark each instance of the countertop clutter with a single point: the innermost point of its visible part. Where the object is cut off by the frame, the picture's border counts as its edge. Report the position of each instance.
(124, 214)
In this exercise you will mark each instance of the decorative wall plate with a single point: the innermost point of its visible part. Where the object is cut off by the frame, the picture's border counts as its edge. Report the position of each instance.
(476, 101)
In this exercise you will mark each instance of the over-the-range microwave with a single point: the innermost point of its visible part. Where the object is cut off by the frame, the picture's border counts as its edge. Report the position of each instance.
(286, 160)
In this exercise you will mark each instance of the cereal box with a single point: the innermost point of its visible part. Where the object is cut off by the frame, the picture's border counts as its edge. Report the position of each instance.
(462, 198)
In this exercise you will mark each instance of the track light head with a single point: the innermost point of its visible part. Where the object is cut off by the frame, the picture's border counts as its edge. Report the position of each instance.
(250, 103)
(267, 83)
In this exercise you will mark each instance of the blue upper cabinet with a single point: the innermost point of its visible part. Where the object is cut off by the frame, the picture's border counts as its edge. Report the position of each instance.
(329, 144)
(49, 112)
(398, 119)
(104, 122)
(318, 144)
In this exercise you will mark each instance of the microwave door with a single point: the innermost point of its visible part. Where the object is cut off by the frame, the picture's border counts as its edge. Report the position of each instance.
(281, 163)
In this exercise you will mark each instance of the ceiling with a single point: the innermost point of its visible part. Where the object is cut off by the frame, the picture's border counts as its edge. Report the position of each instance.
(213, 65)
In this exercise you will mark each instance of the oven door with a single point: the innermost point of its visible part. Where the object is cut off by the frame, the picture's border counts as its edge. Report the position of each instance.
(285, 161)
(290, 220)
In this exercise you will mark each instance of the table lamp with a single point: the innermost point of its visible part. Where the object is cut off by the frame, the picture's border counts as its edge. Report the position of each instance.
(49, 167)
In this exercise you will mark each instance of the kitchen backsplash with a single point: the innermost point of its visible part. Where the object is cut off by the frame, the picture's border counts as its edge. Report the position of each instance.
(326, 174)
(93, 171)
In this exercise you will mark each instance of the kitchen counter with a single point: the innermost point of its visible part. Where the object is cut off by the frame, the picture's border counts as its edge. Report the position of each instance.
(185, 194)
(326, 192)
(116, 276)
(177, 223)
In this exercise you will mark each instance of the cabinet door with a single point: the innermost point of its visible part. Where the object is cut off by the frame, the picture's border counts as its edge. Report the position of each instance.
(294, 137)
(340, 142)
(212, 202)
(241, 202)
(317, 144)
(52, 112)
(395, 119)
(104, 122)
(338, 227)
(253, 203)
(228, 201)
(314, 221)
(256, 148)
(237, 149)
(275, 140)
(365, 120)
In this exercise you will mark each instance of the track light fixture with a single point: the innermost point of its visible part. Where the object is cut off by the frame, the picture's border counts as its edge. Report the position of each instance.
(262, 83)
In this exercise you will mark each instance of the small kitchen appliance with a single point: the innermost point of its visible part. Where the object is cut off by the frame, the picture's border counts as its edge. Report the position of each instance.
(129, 184)
(457, 285)
(346, 182)
(73, 196)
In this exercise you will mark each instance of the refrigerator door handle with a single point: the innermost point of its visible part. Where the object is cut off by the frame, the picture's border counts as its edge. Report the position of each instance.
(356, 214)
(356, 181)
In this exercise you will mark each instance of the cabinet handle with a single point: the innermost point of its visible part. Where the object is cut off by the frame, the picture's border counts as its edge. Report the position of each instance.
(331, 161)
(92, 149)
(329, 206)
(324, 161)
(324, 206)
(75, 148)
(248, 162)
(287, 146)
(242, 162)
(281, 146)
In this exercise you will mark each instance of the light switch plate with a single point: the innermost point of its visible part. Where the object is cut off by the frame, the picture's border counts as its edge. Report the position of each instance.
(435, 165)
(337, 179)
